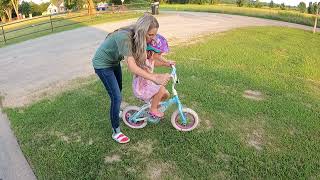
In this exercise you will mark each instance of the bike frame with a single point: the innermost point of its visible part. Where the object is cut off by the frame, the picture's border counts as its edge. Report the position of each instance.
(166, 104)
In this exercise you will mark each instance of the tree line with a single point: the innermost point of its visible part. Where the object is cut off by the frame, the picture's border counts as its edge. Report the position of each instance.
(10, 9)
(15, 9)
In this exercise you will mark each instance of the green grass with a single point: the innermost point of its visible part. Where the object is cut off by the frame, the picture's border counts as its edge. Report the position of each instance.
(58, 24)
(276, 14)
(68, 137)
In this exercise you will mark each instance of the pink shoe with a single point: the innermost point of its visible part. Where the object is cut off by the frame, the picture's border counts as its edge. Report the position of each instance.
(156, 114)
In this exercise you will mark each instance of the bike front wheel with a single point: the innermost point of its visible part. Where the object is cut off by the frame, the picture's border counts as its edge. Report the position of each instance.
(128, 112)
(191, 117)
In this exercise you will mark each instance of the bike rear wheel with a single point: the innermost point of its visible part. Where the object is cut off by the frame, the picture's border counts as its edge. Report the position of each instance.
(128, 112)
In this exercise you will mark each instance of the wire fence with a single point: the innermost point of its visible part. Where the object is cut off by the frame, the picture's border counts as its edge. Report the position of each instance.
(54, 22)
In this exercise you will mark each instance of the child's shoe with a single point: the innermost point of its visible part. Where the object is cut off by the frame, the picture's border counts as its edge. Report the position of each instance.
(156, 114)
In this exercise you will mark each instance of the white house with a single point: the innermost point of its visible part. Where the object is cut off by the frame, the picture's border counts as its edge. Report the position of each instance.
(62, 8)
(53, 9)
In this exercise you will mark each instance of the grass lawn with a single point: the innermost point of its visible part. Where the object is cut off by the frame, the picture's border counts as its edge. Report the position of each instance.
(59, 23)
(276, 14)
(275, 136)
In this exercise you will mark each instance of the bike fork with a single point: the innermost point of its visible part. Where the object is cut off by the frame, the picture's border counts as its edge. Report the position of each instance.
(184, 119)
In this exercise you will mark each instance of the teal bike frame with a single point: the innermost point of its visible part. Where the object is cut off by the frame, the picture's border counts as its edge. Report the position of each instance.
(142, 114)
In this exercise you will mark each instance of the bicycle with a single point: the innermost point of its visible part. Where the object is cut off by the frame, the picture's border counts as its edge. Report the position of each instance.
(183, 119)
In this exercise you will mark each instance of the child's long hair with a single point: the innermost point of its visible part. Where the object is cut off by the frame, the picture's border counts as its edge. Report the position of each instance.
(139, 31)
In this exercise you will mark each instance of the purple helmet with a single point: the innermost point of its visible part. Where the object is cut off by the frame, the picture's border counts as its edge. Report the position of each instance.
(159, 45)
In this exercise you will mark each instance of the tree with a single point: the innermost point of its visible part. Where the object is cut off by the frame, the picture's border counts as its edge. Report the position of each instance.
(73, 4)
(282, 6)
(315, 7)
(38, 9)
(310, 8)
(257, 4)
(302, 7)
(70, 4)
(25, 8)
(271, 4)
(214, 1)
(3, 17)
(6, 7)
(55, 2)
(15, 4)
(91, 7)
(43, 7)
(240, 3)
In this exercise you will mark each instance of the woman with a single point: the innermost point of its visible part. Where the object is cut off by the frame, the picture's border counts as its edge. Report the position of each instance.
(128, 43)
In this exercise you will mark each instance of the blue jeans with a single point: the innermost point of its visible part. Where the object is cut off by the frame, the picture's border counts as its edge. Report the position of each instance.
(112, 81)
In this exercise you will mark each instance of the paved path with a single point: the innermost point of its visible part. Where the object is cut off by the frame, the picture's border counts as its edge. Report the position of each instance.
(29, 67)
(13, 165)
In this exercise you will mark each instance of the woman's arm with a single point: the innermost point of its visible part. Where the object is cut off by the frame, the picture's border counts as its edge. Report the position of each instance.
(161, 61)
(157, 78)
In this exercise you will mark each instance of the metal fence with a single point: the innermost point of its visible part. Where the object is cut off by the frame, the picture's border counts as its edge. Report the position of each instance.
(50, 23)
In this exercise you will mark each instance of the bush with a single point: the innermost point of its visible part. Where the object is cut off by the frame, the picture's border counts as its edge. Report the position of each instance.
(240, 3)
(257, 4)
(271, 4)
(282, 6)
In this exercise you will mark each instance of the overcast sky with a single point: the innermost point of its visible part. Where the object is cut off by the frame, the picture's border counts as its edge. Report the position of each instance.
(291, 2)
(37, 1)
(287, 2)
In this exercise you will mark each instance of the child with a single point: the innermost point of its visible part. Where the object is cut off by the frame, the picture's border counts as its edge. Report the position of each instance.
(147, 90)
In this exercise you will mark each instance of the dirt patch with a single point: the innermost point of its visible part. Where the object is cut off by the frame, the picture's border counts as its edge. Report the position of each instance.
(144, 148)
(255, 139)
(224, 157)
(220, 175)
(90, 142)
(72, 138)
(160, 170)
(204, 126)
(251, 132)
(61, 136)
(131, 170)
(253, 95)
(112, 159)
(123, 105)
(206, 123)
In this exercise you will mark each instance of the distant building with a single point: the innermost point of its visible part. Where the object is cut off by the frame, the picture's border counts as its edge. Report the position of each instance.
(56, 8)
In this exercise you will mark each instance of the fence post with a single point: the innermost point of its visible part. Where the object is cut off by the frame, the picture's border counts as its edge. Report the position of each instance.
(316, 20)
(4, 35)
(51, 24)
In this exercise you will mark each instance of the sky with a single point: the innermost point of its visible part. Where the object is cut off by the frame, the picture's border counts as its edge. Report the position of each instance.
(291, 2)
(286, 2)
(37, 1)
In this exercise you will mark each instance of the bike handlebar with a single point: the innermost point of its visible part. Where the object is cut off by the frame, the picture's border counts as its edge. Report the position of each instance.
(174, 73)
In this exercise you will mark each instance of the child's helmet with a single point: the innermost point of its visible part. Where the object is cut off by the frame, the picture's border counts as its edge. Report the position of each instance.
(159, 45)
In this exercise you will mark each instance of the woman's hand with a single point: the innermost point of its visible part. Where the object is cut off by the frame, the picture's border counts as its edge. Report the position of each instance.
(162, 79)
